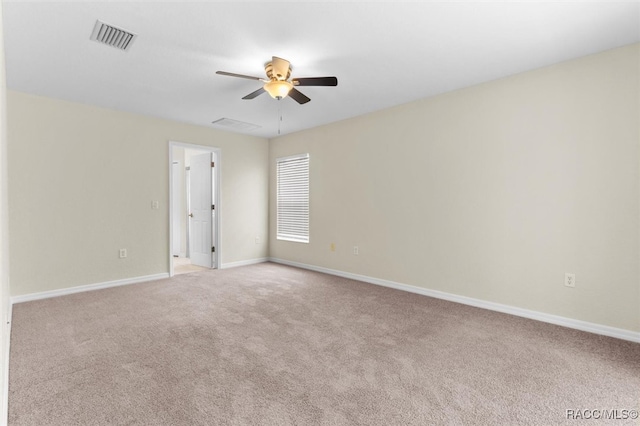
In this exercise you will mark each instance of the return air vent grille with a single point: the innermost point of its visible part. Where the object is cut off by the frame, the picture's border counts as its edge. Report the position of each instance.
(112, 36)
(228, 123)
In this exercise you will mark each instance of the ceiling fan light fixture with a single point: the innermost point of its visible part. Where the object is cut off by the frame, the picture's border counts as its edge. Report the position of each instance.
(278, 85)
(278, 89)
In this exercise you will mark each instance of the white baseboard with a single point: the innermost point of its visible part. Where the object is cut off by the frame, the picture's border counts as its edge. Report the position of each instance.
(604, 330)
(88, 287)
(244, 262)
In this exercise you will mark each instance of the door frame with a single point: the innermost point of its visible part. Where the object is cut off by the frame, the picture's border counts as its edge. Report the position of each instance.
(217, 155)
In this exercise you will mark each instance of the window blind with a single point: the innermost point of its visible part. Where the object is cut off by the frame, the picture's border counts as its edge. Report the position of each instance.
(293, 198)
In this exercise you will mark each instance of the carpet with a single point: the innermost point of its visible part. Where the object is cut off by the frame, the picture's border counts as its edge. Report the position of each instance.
(269, 344)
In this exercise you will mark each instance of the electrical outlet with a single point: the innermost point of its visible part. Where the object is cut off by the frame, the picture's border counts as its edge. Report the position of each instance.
(570, 280)
(356, 250)
(123, 253)
(333, 247)
(155, 205)
(257, 239)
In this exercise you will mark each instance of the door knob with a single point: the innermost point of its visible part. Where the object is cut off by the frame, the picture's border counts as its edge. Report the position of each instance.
(190, 214)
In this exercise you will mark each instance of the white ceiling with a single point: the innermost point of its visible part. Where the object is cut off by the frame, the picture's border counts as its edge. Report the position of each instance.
(383, 53)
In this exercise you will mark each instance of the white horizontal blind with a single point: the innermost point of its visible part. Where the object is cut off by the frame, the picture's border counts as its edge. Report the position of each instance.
(293, 198)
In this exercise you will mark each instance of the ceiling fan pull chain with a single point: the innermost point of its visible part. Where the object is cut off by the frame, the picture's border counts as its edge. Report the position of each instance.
(279, 114)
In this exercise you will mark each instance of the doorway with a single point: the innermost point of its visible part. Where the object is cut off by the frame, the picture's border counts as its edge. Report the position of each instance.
(194, 208)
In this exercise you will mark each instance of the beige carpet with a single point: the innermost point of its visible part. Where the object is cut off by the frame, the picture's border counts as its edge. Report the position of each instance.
(273, 345)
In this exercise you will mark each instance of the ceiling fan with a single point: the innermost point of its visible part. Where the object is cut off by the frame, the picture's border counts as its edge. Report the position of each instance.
(277, 83)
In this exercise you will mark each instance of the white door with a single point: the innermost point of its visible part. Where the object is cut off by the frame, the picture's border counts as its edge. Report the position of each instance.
(200, 217)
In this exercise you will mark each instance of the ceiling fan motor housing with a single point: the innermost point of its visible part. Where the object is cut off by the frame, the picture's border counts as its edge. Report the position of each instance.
(277, 74)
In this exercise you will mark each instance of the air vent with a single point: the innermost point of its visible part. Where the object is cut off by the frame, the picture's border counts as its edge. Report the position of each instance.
(112, 36)
(228, 123)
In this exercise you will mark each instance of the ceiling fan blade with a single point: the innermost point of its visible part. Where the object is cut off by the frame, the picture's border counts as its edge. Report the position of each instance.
(281, 68)
(257, 93)
(298, 96)
(315, 81)
(232, 74)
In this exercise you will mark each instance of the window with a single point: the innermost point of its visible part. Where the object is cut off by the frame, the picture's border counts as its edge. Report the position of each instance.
(292, 202)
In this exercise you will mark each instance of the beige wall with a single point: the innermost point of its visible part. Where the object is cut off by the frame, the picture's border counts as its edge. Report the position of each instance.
(491, 192)
(82, 180)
